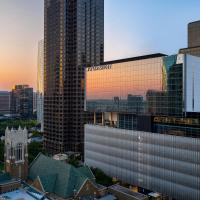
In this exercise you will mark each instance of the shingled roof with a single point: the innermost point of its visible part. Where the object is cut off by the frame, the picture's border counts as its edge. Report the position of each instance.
(59, 177)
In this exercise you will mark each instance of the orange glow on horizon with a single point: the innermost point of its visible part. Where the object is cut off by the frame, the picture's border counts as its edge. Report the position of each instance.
(17, 69)
(124, 79)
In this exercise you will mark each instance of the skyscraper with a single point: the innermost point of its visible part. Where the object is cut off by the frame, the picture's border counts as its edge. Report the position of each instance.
(193, 39)
(40, 83)
(73, 40)
(194, 34)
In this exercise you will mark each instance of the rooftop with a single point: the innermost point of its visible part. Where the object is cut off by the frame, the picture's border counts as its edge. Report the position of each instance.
(6, 179)
(21, 194)
(156, 55)
(194, 22)
(108, 197)
(61, 178)
(126, 191)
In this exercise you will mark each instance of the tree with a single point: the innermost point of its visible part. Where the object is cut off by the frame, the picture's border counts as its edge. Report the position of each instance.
(1, 151)
(101, 177)
(15, 124)
(34, 148)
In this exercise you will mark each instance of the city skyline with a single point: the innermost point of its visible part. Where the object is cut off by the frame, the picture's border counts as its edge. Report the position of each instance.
(106, 93)
(18, 50)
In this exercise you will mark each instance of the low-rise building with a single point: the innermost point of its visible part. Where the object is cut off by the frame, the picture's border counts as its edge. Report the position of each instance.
(59, 179)
(124, 193)
(7, 183)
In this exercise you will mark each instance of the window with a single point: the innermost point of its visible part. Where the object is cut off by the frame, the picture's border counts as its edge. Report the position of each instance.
(18, 152)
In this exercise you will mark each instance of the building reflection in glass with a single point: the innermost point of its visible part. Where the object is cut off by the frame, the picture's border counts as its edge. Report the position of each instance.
(151, 85)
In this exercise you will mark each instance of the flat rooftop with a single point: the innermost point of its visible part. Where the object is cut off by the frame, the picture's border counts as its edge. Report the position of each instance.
(108, 197)
(21, 194)
(126, 191)
(194, 22)
(156, 55)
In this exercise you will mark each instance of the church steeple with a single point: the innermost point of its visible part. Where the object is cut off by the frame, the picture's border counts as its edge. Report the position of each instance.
(16, 152)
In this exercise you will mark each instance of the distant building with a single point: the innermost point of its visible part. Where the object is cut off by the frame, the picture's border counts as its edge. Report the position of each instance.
(193, 39)
(40, 84)
(22, 101)
(34, 102)
(194, 34)
(4, 102)
(16, 153)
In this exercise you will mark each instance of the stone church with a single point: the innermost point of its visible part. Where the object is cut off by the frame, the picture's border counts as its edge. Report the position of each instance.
(16, 153)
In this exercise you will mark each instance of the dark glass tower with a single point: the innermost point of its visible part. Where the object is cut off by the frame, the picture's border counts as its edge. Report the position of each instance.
(73, 39)
(22, 101)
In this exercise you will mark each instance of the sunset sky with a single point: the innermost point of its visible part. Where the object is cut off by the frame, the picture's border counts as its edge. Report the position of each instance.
(132, 28)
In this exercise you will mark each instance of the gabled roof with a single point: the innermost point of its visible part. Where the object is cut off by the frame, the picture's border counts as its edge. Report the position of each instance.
(59, 177)
(87, 172)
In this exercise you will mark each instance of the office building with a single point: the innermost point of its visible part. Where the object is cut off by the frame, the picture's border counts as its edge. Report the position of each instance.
(73, 39)
(149, 131)
(193, 39)
(22, 101)
(4, 102)
(40, 84)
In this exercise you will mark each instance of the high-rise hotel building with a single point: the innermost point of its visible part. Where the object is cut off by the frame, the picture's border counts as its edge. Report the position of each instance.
(148, 134)
(73, 39)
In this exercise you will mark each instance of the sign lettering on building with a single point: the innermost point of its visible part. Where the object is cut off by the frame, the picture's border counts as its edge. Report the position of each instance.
(101, 67)
(180, 121)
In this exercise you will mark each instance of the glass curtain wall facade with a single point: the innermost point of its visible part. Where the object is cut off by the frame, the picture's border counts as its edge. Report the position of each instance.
(149, 130)
(74, 39)
(40, 83)
(138, 89)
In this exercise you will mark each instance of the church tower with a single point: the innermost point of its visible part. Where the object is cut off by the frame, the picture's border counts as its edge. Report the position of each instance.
(16, 153)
